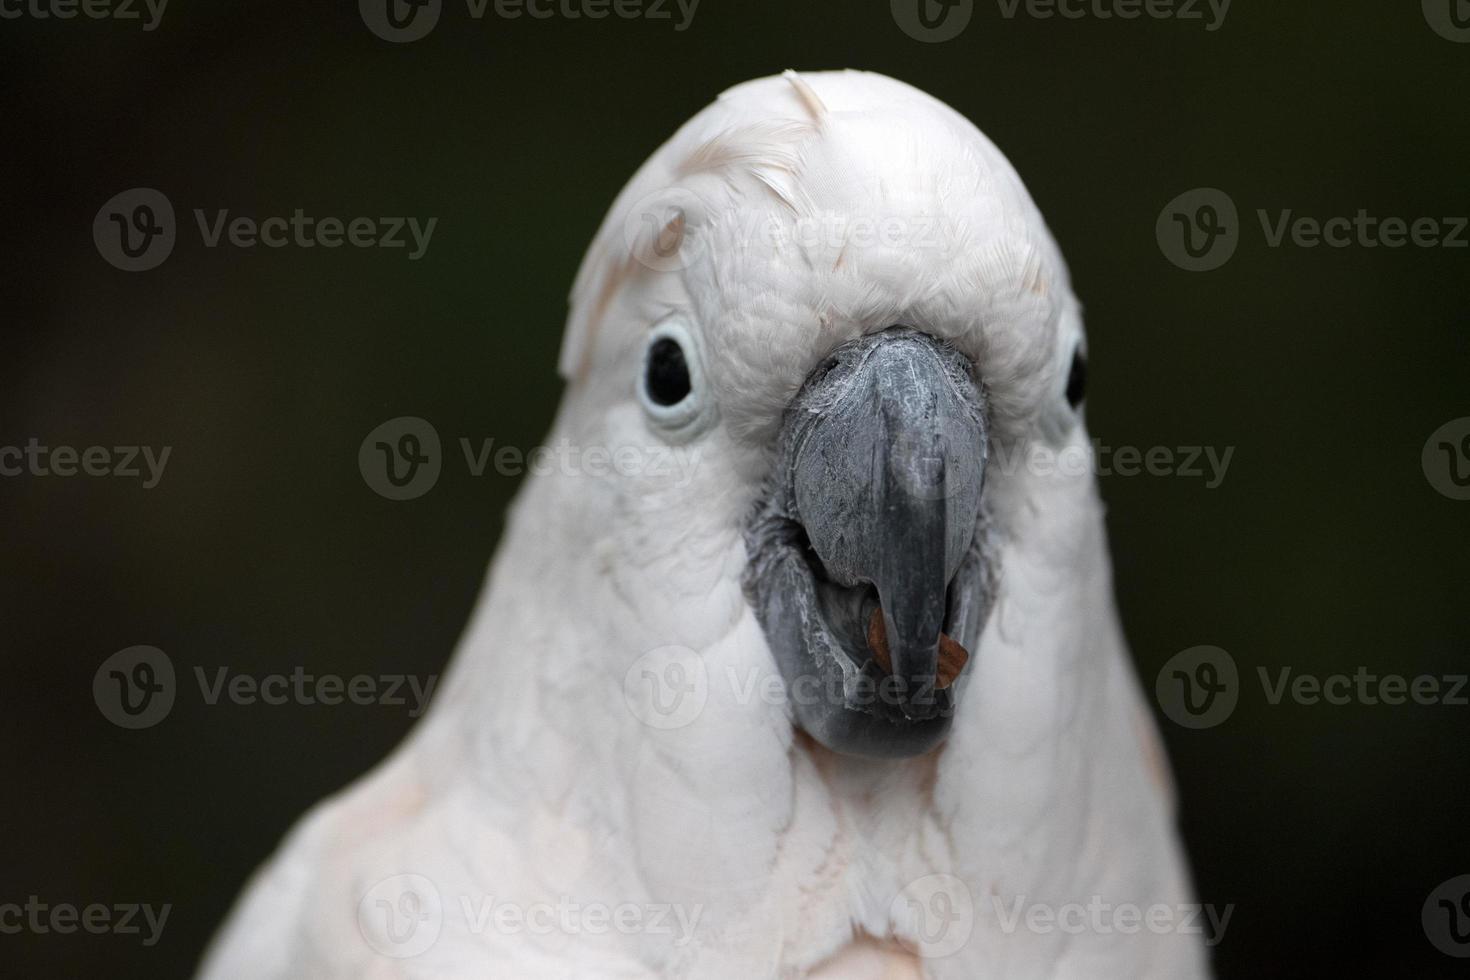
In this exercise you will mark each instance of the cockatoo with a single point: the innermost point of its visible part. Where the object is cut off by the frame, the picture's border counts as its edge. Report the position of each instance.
(818, 673)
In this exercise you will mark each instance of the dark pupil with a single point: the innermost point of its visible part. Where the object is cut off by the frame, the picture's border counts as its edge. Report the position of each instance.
(668, 374)
(1077, 380)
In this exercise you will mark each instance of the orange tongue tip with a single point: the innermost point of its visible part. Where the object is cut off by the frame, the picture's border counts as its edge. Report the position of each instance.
(952, 656)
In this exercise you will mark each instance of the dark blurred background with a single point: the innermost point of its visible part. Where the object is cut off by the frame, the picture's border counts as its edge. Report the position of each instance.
(1327, 546)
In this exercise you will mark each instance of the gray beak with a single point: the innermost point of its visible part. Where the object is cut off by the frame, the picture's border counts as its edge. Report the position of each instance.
(866, 565)
(887, 485)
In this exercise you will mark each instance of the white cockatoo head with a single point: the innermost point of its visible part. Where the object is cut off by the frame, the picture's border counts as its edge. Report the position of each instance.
(834, 294)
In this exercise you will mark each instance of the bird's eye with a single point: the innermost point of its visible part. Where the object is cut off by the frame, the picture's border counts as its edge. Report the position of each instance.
(1077, 379)
(666, 372)
(671, 380)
